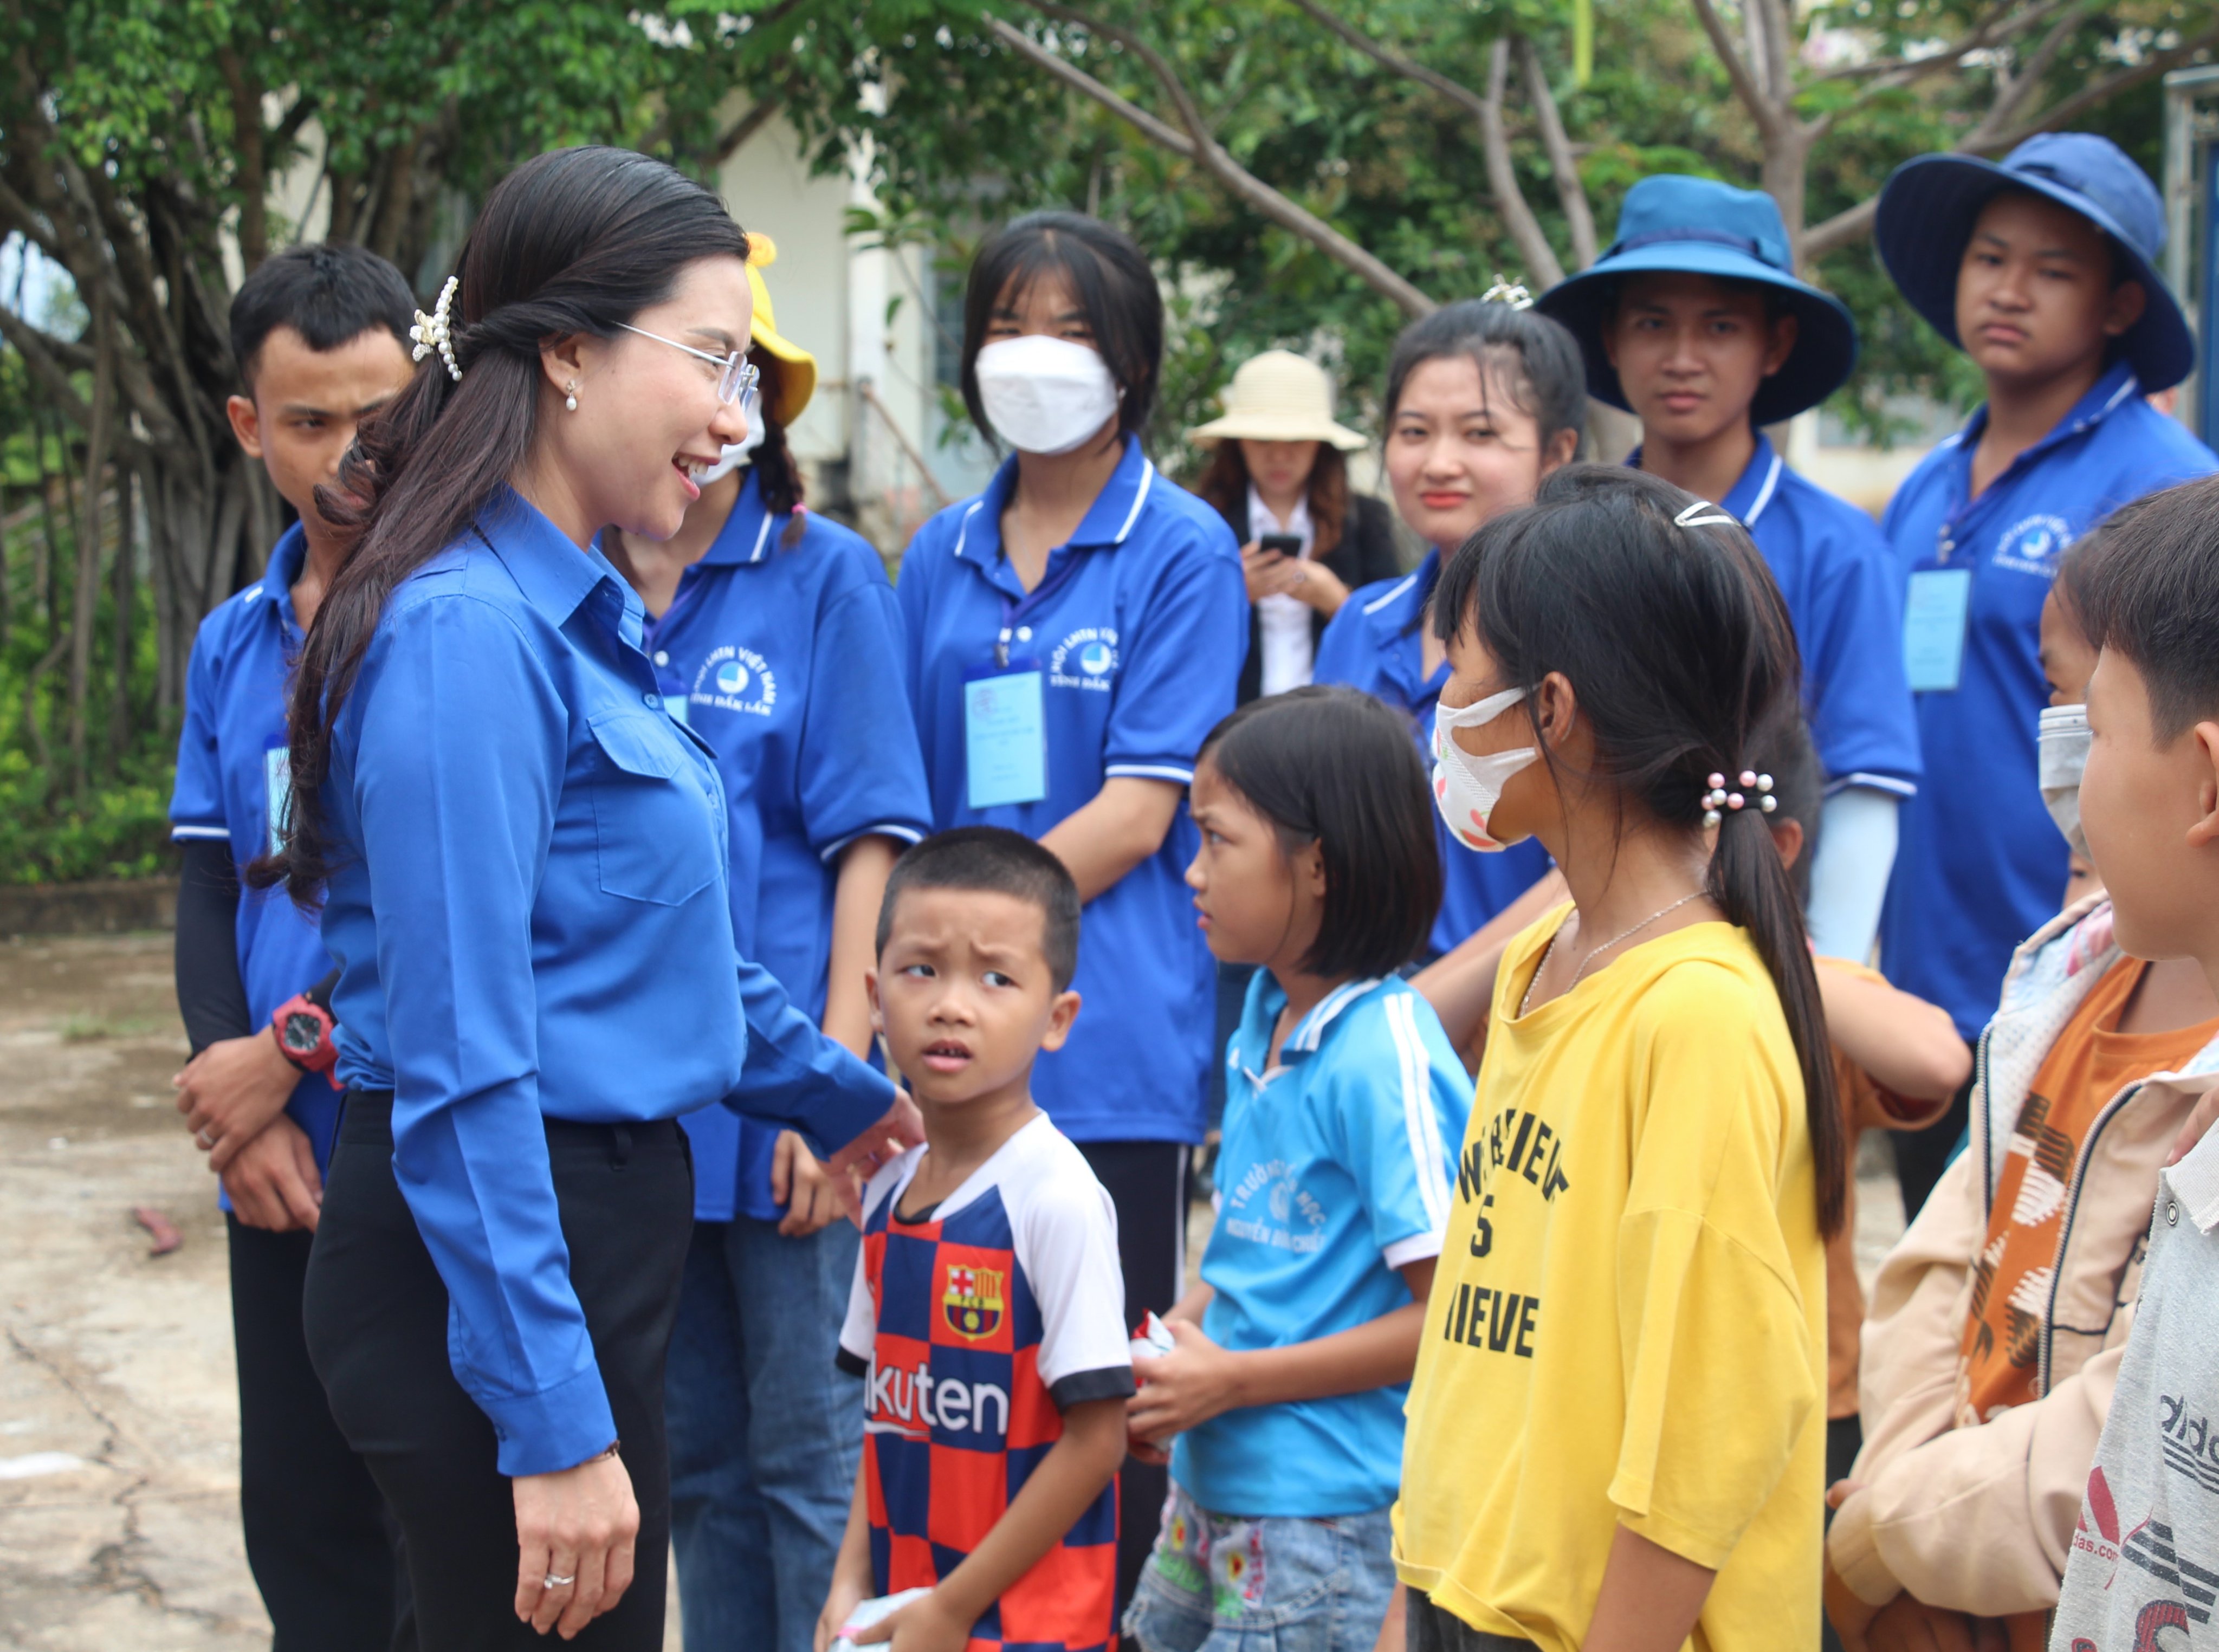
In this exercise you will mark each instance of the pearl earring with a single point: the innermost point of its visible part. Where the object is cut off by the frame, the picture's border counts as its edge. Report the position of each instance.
(570, 396)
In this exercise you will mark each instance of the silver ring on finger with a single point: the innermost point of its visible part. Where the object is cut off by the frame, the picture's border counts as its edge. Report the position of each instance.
(206, 1140)
(555, 1580)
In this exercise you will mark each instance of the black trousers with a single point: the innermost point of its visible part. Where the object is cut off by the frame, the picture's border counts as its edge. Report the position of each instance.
(1427, 1628)
(318, 1540)
(377, 1332)
(1146, 1181)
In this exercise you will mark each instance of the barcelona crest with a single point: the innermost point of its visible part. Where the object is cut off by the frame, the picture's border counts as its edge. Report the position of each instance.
(972, 1305)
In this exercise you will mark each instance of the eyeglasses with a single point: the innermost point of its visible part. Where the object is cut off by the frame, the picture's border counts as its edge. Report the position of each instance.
(738, 379)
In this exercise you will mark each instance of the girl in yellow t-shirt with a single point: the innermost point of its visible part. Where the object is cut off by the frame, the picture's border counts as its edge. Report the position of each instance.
(1617, 1432)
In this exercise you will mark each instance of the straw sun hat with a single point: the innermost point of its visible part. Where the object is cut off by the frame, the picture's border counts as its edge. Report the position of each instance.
(1278, 396)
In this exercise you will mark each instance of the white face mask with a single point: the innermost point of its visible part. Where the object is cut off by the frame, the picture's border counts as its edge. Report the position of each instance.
(1043, 395)
(734, 456)
(2060, 744)
(1466, 788)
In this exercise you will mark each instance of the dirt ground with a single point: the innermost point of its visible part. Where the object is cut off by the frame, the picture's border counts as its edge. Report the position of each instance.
(119, 1483)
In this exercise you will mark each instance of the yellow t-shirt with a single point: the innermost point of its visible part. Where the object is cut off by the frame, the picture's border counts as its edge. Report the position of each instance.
(1628, 1321)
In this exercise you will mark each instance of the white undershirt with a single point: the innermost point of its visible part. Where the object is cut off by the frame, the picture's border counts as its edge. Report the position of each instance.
(1282, 622)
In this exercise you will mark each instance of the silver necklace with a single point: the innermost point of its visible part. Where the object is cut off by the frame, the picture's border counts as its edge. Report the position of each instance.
(1550, 951)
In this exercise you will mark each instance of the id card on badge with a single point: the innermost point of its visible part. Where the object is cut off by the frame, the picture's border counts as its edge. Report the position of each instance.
(277, 792)
(1933, 628)
(1005, 734)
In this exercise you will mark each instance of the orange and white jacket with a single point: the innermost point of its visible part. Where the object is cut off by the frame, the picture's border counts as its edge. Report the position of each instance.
(1979, 1519)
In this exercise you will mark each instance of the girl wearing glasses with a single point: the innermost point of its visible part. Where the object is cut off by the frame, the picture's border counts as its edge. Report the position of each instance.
(527, 869)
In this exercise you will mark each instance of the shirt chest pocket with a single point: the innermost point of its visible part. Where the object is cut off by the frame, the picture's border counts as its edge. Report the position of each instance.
(655, 827)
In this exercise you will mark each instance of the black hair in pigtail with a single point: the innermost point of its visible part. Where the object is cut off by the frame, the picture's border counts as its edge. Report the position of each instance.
(1666, 623)
(776, 472)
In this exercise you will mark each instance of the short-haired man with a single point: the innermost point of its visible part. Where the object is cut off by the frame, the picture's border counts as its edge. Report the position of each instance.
(1695, 321)
(318, 334)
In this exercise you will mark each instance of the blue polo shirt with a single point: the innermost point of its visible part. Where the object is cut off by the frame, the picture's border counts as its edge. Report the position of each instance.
(232, 784)
(783, 658)
(1334, 1172)
(1138, 628)
(1377, 643)
(529, 905)
(1844, 599)
(1981, 866)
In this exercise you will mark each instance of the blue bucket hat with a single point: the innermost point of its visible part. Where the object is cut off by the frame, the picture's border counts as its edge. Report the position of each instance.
(1928, 209)
(1695, 225)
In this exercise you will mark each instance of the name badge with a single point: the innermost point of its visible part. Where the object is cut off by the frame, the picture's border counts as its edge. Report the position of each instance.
(1004, 735)
(1933, 628)
(277, 791)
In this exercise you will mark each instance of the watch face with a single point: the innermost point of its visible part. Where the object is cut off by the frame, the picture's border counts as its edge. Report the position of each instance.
(303, 1033)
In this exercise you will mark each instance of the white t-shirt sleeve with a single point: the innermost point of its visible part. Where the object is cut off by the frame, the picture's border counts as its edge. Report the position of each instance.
(1066, 1243)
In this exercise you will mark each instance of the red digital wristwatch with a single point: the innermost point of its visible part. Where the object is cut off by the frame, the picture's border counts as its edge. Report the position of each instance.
(303, 1029)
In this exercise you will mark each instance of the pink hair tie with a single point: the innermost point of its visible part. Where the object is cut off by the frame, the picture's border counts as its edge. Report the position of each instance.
(1717, 797)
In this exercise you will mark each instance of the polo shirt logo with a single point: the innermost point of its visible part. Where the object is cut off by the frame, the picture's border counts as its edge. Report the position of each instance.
(972, 1303)
(2033, 545)
(737, 680)
(1085, 659)
(1292, 1214)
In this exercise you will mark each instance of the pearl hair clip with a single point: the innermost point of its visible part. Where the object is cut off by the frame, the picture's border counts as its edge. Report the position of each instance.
(433, 332)
(1511, 292)
(1719, 798)
(1692, 517)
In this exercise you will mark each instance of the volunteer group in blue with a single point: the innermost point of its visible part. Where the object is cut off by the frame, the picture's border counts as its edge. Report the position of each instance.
(784, 658)
(233, 778)
(1335, 1171)
(1377, 643)
(528, 905)
(1981, 865)
(1118, 663)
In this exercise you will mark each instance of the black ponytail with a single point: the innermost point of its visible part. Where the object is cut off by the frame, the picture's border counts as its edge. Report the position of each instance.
(1679, 648)
(573, 241)
(776, 473)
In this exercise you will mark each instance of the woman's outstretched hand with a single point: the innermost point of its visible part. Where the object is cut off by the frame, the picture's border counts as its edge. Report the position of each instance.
(579, 1525)
(902, 1128)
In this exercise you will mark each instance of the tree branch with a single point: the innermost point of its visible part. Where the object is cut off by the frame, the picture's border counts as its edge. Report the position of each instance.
(2011, 90)
(758, 116)
(1571, 193)
(1388, 57)
(1072, 75)
(1761, 109)
(1509, 200)
(2101, 91)
(1206, 152)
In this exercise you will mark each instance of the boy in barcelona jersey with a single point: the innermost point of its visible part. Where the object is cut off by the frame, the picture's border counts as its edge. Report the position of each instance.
(988, 1309)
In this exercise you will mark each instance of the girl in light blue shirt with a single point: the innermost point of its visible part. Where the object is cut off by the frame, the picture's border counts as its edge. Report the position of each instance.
(1283, 1396)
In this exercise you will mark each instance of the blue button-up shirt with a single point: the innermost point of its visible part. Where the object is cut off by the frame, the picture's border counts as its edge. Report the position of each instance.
(1139, 624)
(1377, 643)
(786, 658)
(530, 910)
(232, 780)
(1981, 865)
(1845, 600)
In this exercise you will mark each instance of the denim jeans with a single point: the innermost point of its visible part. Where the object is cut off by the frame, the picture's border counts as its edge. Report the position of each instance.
(764, 1433)
(1226, 1583)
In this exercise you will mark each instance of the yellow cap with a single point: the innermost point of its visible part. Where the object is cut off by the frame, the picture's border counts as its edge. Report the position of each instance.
(794, 380)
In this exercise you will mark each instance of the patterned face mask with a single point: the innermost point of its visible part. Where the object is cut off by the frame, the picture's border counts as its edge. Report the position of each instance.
(1466, 788)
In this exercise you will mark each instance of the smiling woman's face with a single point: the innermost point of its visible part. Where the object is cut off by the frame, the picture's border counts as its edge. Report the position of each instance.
(1460, 451)
(648, 414)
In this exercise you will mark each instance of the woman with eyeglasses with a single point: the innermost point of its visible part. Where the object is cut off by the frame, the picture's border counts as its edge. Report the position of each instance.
(527, 862)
